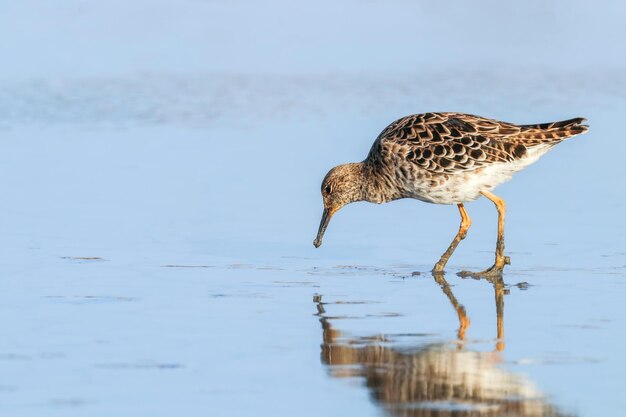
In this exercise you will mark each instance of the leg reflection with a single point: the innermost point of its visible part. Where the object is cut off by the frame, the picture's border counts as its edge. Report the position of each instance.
(464, 321)
(498, 285)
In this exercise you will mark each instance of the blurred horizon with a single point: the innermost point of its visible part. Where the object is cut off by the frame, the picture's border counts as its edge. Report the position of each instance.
(82, 38)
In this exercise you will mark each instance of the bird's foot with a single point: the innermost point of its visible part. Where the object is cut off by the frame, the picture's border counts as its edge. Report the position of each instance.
(494, 272)
(438, 269)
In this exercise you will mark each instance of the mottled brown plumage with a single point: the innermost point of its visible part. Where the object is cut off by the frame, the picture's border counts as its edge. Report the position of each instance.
(442, 158)
(455, 142)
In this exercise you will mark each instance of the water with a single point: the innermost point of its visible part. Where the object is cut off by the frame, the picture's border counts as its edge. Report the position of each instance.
(160, 204)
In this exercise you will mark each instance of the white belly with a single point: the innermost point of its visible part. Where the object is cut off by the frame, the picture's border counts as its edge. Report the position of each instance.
(467, 185)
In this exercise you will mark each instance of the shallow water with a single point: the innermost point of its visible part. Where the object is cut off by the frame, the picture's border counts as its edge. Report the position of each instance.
(157, 230)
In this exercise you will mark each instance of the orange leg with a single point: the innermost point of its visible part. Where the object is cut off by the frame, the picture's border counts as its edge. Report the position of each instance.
(465, 225)
(501, 260)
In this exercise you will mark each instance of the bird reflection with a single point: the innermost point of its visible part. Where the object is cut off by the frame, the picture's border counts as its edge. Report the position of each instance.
(438, 379)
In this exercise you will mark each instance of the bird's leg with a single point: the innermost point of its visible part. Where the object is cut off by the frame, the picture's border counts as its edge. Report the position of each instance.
(465, 225)
(501, 260)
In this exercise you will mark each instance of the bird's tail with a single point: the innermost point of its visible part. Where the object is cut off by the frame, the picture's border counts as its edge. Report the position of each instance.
(552, 132)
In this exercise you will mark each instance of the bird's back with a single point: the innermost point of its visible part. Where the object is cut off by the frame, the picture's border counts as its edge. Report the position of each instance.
(450, 157)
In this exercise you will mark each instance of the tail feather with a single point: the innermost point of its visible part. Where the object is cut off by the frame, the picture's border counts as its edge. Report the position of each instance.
(564, 123)
(552, 133)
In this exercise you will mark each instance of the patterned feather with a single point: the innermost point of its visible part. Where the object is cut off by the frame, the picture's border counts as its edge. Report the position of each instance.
(456, 142)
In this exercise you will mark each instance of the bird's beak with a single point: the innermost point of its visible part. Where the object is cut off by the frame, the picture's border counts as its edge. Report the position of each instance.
(323, 224)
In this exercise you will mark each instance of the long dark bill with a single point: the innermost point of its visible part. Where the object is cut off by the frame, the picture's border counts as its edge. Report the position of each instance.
(323, 225)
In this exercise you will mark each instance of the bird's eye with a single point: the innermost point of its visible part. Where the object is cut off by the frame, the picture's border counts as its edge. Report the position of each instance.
(328, 189)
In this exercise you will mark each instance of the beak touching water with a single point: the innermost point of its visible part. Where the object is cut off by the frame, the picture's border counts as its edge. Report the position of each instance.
(323, 224)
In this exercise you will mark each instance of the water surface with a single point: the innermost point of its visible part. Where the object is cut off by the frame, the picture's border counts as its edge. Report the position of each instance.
(160, 202)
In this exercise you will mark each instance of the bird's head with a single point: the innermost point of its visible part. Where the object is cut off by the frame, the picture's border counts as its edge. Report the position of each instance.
(342, 185)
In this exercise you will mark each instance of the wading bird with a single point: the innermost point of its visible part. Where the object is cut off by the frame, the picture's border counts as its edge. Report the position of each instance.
(443, 158)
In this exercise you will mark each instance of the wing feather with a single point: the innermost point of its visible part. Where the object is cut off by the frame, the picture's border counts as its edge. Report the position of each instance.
(455, 142)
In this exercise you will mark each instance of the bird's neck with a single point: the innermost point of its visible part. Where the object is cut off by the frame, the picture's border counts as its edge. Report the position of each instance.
(377, 185)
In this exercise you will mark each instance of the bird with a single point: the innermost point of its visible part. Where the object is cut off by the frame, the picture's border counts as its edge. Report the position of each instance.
(444, 158)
